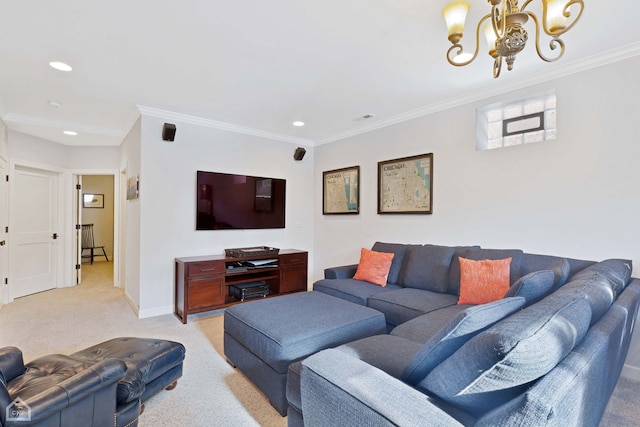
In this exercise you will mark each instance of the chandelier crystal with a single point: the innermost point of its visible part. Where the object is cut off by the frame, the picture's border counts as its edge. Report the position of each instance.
(504, 29)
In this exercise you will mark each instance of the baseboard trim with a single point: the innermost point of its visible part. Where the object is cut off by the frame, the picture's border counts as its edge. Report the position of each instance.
(157, 311)
(631, 372)
(132, 304)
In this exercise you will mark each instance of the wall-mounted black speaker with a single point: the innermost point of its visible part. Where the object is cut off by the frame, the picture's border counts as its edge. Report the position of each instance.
(299, 153)
(168, 132)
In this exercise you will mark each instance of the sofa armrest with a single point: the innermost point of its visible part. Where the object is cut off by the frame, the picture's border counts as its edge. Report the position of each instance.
(73, 390)
(11, 363)
(342, 272)
(339, 389)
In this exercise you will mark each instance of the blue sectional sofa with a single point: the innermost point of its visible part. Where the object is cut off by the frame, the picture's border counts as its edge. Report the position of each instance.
(548, 354)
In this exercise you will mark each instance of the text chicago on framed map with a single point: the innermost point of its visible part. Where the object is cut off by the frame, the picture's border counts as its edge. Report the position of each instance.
(341, 191)
(405, 185)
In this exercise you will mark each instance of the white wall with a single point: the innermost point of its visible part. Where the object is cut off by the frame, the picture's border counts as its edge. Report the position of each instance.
(168, 200)
(577, 196)
(130, 217)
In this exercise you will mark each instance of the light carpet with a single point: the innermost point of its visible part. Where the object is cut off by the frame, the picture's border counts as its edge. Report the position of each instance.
(211, 392)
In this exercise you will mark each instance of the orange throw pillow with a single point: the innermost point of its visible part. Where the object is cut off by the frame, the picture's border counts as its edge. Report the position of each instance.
(374, 267)
(483, 281)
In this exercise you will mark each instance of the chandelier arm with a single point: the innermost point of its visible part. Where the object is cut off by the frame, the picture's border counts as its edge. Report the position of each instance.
(554, 43)
(497, 66)
(524, 5)
(458, 48)
(567, 14)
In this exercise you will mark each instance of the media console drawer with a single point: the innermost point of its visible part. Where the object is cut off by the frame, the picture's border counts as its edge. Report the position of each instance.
(290, 259)
(206, 268)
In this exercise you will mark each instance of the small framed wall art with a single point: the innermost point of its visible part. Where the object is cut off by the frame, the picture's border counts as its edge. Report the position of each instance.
(405, 185)
(93, 200)
(341, 191)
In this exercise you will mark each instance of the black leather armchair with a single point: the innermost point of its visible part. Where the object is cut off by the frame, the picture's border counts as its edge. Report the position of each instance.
(59, 390)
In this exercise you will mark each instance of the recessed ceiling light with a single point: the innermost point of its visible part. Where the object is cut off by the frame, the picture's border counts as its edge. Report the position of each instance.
(60, 66)
(70, 132)
(298, 123)
(55, 104)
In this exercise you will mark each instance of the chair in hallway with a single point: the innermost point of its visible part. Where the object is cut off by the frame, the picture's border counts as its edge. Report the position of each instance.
(88, 243)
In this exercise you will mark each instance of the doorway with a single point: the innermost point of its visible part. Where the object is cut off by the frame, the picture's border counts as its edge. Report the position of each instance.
(95, 206)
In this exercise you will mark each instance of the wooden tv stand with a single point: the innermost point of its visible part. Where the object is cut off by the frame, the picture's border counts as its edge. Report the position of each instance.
(202, 282)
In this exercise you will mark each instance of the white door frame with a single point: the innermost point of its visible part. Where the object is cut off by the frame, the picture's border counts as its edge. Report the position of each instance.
(12, 215)
(74, 173)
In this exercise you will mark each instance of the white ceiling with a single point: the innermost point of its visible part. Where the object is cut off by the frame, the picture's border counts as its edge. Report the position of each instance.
(255, 66)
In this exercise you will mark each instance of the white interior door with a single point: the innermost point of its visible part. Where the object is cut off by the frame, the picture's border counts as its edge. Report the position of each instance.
(4, 223)
(34, 198)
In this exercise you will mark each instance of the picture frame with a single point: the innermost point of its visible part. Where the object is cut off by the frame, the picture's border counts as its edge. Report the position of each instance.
(405, 185)
(341, 191)
(133, 188)
(90, 200)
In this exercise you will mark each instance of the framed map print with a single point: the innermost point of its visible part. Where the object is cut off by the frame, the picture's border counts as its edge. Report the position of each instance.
(405, 185)
(341, 191)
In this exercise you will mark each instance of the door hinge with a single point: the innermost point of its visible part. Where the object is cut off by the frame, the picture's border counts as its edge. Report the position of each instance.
(6, 281)
(78, 226)
(6, 178)
(6, 229)
(78, 266)
(78, 187)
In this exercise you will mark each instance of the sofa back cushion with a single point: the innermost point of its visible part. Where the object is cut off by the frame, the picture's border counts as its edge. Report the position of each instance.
(398, 250)
(561, 270)
(618, 271)
(475, 253)
(427, 267)
(464, 326)
(534, 286)
(597, 289)
(495, 366)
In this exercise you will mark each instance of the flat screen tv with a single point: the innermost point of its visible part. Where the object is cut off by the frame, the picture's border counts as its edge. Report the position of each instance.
(226, 201)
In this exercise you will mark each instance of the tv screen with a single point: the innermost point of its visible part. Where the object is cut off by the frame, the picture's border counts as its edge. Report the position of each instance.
(226, 201)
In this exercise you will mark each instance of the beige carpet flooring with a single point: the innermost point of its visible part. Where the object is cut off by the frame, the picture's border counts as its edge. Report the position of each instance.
(211, 392)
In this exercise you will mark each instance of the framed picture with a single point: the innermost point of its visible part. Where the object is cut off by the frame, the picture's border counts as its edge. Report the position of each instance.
(341, 191)
(405, 186)
(133, 188)
(92, 200)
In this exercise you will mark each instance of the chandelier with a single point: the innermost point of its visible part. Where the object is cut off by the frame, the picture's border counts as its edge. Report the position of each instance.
(504, 29)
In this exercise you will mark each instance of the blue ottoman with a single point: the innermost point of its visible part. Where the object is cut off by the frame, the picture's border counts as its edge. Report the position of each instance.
(262, 338)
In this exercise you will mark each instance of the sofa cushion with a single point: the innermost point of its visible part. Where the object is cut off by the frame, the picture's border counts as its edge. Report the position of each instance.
(475, 253)
(597, 289)
(618, 271)
(373, 267)
(422, 328)
(534, 286)
(483, 281)
(355, 291)
(405, 304)
(460, 329)
(497, 364)
(427, 267)
(561, 270)
(390, 353)
(398, 250)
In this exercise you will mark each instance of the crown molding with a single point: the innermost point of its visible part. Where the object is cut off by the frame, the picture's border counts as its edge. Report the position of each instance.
(608, 57)
(58, 124)
(185, 118)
